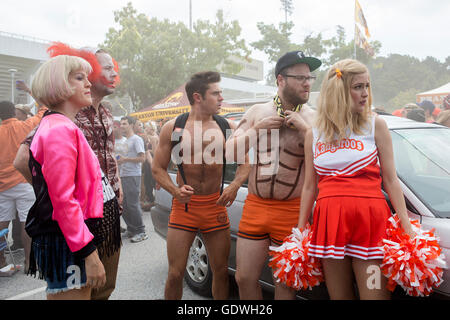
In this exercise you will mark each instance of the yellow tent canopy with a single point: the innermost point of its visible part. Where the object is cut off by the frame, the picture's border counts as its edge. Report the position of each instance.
(173, 105)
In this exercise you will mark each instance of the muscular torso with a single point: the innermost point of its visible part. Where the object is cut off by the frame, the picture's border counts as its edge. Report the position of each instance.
(204, 169)
(279, 176)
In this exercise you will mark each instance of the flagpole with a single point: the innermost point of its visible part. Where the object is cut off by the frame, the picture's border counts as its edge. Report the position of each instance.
(354, 35)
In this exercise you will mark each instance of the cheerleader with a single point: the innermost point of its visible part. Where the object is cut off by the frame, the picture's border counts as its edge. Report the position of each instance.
(344, 152)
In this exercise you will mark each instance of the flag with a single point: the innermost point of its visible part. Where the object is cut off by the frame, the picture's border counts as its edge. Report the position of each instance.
(361, 38)
(362, 42)
(360, 19)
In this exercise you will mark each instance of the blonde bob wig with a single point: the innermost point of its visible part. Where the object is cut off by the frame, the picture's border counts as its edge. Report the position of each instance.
(51, 85)
(335, 119)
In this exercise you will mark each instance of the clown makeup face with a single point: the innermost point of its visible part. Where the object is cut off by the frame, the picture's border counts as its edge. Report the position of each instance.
(105, 85)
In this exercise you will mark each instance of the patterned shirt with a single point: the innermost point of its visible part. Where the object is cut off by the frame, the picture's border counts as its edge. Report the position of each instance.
(98, 130)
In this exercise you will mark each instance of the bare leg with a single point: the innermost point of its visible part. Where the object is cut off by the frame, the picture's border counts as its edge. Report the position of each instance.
(26, 241)
(371, 282)
(339, 278)
(178, 245)
(250, 259)
(218, 247)
(74, 294)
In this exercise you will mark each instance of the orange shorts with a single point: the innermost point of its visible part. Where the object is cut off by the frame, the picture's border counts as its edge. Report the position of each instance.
(203, 214)
(268, 218)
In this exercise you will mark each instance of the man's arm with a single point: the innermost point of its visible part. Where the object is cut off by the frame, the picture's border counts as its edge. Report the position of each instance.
(138, 145)
(246, 134)
(139, 159)
(21, 162)
(302, 120)
(161, 162)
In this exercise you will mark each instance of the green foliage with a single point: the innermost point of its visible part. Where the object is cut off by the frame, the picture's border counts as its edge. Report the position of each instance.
(401, 99)
(158, 56)
(396, 79)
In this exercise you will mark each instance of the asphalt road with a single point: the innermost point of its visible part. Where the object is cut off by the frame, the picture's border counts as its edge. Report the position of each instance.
(141, 276)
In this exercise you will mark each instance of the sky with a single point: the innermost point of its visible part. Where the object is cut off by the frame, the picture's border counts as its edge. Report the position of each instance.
(418, 28)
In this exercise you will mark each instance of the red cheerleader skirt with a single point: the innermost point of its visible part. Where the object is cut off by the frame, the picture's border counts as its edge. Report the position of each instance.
(349, 226)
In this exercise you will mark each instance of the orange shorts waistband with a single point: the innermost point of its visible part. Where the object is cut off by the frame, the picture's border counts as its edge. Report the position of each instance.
(274, 203)
(203, 214)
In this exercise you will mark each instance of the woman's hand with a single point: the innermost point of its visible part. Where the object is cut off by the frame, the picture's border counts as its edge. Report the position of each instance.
(95, 272)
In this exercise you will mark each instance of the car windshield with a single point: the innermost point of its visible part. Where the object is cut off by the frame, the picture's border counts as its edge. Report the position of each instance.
(422, 159)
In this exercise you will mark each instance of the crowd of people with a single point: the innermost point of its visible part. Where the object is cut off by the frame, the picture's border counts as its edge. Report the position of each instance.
(426, 111)
(71, 173)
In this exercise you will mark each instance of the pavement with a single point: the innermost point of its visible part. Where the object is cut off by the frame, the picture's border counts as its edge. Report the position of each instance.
(141, 276)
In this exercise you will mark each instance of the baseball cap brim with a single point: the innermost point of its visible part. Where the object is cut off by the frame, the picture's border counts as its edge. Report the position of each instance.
(312, 62)
(296, 57)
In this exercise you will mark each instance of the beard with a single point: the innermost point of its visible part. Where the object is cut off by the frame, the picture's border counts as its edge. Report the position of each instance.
(290, 96)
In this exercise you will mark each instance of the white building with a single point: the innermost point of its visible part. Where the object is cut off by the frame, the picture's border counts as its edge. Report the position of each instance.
(20, 57)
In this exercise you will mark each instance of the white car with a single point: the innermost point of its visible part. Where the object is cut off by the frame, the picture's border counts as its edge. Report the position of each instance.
(422, 157)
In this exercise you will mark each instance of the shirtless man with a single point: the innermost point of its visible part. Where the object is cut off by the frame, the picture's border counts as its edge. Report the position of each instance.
(276, 130)
(205, 210)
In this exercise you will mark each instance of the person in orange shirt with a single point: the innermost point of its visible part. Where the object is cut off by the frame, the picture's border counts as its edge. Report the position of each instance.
(15, 192)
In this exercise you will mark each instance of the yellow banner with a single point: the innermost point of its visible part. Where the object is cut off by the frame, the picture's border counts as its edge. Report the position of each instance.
(174, 112)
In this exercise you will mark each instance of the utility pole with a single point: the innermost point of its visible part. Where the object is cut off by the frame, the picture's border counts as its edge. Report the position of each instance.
(190, 15)
(288, 8)
(12, 71)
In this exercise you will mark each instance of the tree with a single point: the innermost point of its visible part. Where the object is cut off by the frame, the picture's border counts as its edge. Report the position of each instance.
(276, 41)
(157, 56)
(395, 78)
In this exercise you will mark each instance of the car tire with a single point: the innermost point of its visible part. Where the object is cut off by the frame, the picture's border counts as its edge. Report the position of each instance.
(198, 275)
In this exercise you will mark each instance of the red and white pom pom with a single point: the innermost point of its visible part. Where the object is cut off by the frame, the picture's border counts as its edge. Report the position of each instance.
(291, 264)
(414, 264)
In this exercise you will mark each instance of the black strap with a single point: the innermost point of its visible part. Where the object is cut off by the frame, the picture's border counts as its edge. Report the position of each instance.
(224, 126)
(180, 123)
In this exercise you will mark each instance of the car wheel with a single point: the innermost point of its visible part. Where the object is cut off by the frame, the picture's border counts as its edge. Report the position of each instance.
(198, 274)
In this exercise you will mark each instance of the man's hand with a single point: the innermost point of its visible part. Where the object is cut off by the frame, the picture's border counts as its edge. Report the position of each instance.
(95, 272)
(296, 120)
(274, 122)
(228, 196)
(20, 85)
(184, 194)
(120, 200)
(121, 160)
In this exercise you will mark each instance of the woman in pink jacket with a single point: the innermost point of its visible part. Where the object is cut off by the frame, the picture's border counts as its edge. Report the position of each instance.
(67, 181)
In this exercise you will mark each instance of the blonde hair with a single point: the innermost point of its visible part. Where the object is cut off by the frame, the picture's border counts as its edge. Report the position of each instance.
(334, 107)
(443, 116)
(51, 85)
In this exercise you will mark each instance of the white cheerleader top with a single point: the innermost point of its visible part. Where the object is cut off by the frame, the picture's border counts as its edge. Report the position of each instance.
(349, 167)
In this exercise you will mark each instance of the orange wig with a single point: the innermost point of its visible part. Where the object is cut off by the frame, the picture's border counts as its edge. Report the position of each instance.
(59, 48)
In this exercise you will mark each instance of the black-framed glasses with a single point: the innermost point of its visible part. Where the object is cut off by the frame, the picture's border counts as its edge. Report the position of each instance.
(301, 78)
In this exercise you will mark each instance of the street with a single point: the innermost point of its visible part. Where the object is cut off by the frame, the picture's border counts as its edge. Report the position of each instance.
(141, 276)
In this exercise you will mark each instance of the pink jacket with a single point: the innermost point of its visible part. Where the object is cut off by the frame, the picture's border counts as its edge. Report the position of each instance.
(73, 176)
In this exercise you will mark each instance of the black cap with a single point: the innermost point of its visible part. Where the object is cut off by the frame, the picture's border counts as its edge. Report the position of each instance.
(427, 105)
(296, 57)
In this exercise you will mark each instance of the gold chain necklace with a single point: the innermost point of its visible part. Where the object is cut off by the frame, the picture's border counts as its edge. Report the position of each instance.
(280, 110)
